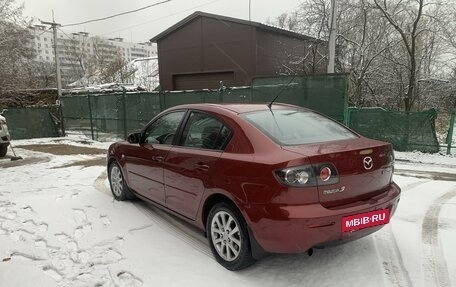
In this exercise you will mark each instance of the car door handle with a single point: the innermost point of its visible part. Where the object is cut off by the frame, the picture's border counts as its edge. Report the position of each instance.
(202, 167)
(157, 158)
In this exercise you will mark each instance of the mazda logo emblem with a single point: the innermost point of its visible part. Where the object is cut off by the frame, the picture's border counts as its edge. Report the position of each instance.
(368, 162)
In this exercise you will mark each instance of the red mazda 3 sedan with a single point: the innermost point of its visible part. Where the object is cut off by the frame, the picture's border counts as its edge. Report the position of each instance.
(258, 178)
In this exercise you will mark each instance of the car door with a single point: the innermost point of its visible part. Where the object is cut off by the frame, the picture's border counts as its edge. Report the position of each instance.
(192, 163)
(145, 162)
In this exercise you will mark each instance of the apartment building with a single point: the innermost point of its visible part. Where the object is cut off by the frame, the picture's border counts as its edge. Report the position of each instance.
(78, 51)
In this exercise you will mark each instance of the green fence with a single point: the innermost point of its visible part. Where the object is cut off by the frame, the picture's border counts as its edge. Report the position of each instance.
(451, 136)
(27, 123)
(324, 93)
(113, 116)
(407, 131)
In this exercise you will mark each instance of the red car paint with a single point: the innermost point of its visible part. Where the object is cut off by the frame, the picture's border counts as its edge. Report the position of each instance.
(280, 218)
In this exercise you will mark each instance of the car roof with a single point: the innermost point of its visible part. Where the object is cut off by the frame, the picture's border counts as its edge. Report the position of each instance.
(238, 108)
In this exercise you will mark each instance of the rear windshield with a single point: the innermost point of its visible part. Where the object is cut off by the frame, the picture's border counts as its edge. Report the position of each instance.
(295, 127)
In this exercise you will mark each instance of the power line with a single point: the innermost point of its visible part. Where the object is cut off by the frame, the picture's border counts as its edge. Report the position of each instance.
(116, 15)
(69, 37)
(47, 30)
(161, 18)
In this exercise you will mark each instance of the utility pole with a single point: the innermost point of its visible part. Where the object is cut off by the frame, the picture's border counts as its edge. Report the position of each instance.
(57, 68)
(250, 9)
(332, 37)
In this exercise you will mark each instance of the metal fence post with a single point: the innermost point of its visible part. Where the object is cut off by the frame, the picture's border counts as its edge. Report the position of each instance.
(124, 105)
(62, 123)
(90, 116)
(450, 132)
(161, 95)
(347, 114)
(221, 92)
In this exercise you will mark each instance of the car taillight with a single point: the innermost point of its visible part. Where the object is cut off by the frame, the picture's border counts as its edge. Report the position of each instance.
(390, 162)
(325, 173)
(297, 176)
(301, 176)
(390, 158)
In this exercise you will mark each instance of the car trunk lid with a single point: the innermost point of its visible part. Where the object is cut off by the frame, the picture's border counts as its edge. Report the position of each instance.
(364, 168)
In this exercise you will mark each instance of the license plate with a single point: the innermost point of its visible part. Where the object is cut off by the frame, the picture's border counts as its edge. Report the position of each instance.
(365, 220)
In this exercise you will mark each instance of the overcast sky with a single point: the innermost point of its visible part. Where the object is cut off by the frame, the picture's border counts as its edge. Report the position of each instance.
(143, 25)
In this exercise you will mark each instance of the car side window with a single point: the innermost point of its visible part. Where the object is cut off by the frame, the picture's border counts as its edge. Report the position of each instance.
(163, 130)
(204, 131)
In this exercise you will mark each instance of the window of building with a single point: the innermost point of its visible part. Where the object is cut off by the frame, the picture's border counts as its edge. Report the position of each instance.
(45, 39)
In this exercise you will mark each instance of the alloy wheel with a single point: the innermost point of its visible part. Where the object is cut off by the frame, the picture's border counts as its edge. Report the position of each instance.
(226, 236)
(116, 181)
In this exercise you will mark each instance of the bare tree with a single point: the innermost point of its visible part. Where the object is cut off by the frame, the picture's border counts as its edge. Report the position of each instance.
(306, 56)
(287, 21)
(405, 17)
(146, 73)
(400, 54)
(362, 42)
(42, 75)
(15, 54)
(116, 70)
(91, 61)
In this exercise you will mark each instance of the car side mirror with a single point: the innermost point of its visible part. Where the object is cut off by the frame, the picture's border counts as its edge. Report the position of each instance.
(134, 138)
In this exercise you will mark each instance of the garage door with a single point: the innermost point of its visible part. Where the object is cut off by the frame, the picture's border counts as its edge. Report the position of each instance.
(202, 81)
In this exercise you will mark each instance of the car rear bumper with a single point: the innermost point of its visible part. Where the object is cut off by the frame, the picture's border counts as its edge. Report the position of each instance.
(296, 228)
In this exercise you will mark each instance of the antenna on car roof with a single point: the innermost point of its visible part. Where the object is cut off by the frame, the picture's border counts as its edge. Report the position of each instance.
(270, 104)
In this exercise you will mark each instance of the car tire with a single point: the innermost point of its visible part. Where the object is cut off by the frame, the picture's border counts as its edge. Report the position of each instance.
(3, 150)
(117, 182)
(228, 237)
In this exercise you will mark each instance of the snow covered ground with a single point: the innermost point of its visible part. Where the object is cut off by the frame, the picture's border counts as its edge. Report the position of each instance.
(60, 226)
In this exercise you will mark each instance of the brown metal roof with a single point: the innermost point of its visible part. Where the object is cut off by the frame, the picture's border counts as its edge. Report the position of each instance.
(258, 25)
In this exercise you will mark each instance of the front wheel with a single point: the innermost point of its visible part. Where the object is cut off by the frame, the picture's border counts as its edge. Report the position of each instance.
(118, 186)
(228, 237)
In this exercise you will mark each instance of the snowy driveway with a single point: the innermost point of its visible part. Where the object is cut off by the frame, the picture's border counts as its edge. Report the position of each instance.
(60, 226)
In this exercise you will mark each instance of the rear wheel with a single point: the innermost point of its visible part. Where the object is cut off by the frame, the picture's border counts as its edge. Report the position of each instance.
(3, 149)
(118, 186)
(228, 237)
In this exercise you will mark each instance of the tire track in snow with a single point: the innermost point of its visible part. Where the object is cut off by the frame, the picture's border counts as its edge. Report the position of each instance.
(444, 176)
(391, 258)
(434, 265)
(413, 185)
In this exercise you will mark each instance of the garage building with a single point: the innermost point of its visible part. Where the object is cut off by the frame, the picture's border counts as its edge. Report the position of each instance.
(203, 49)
